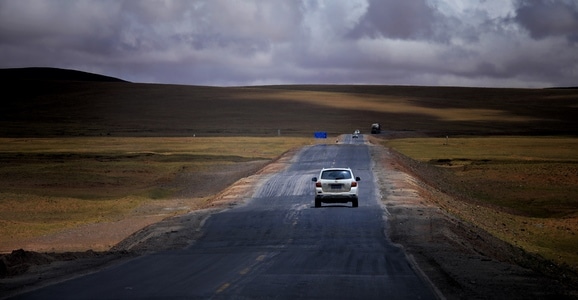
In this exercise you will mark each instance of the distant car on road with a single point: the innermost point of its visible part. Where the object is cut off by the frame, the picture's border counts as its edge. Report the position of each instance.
(355, 134)
(336, 185)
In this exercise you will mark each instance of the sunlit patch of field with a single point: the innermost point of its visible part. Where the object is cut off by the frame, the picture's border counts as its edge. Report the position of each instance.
(522, 189)
(392, 104)
(50, 184)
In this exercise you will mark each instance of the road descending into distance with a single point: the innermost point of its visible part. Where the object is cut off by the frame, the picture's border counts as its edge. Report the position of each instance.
(276, 245)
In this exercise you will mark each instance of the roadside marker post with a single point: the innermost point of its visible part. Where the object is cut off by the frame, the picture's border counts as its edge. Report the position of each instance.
(320, 135)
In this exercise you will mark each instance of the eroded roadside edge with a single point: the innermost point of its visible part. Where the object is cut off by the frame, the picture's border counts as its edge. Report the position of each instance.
(462, 260)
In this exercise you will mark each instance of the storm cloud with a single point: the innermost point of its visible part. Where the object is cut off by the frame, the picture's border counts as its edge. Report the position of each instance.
(502, 43)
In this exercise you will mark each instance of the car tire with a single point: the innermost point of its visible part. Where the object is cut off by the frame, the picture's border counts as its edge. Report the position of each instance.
(354, 203)
(317, 202)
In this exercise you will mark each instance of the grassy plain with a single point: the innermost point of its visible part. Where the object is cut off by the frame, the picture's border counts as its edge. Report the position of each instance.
(524, 189)
(71, 148)
(49, 184)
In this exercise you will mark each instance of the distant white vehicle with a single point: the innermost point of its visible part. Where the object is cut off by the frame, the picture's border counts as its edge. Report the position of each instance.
(355, 134)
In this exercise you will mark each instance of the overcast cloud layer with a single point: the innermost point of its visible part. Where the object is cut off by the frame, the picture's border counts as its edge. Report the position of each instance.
(502, 43)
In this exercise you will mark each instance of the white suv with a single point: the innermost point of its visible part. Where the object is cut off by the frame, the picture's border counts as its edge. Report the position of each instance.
(336, 185)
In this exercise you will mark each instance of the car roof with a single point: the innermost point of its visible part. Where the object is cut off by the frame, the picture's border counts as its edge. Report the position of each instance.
(335, 169)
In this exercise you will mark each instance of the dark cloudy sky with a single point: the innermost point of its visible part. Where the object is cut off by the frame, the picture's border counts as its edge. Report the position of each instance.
(501, 43)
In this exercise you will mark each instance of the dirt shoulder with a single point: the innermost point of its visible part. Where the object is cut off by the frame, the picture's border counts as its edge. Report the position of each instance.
(462, 261)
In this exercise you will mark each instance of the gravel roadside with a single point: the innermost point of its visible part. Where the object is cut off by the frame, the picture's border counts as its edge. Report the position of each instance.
(463, 261)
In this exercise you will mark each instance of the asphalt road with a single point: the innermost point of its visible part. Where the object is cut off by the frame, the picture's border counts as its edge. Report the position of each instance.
(277, 245)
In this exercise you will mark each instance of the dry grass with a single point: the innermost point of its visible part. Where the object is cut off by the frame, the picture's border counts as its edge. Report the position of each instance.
(522, 189)
(394, 104)
(25, 216)
(52, 184)
(533, 179)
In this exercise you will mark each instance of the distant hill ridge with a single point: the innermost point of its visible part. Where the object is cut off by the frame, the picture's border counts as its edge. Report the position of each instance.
(53, 74)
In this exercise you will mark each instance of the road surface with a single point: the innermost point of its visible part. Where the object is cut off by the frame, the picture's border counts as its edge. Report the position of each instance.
(277, 245)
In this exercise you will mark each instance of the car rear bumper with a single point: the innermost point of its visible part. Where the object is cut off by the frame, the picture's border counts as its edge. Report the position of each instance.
(341, 198)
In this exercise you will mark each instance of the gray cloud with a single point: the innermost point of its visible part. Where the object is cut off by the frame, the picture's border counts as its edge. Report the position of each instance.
(225, 42)
(399, 20)
(547, 18)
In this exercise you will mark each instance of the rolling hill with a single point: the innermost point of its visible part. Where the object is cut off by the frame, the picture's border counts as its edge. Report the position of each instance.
(45, 102)
(53, 74)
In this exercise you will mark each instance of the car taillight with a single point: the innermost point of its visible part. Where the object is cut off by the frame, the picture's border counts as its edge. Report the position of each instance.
(354, 184)
(318, 184)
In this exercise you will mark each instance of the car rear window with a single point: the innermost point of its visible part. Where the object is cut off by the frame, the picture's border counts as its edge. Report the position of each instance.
(336, 174)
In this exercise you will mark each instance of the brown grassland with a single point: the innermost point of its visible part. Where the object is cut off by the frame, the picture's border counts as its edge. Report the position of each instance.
(81, 152)
(51, 184)
(525, 189)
